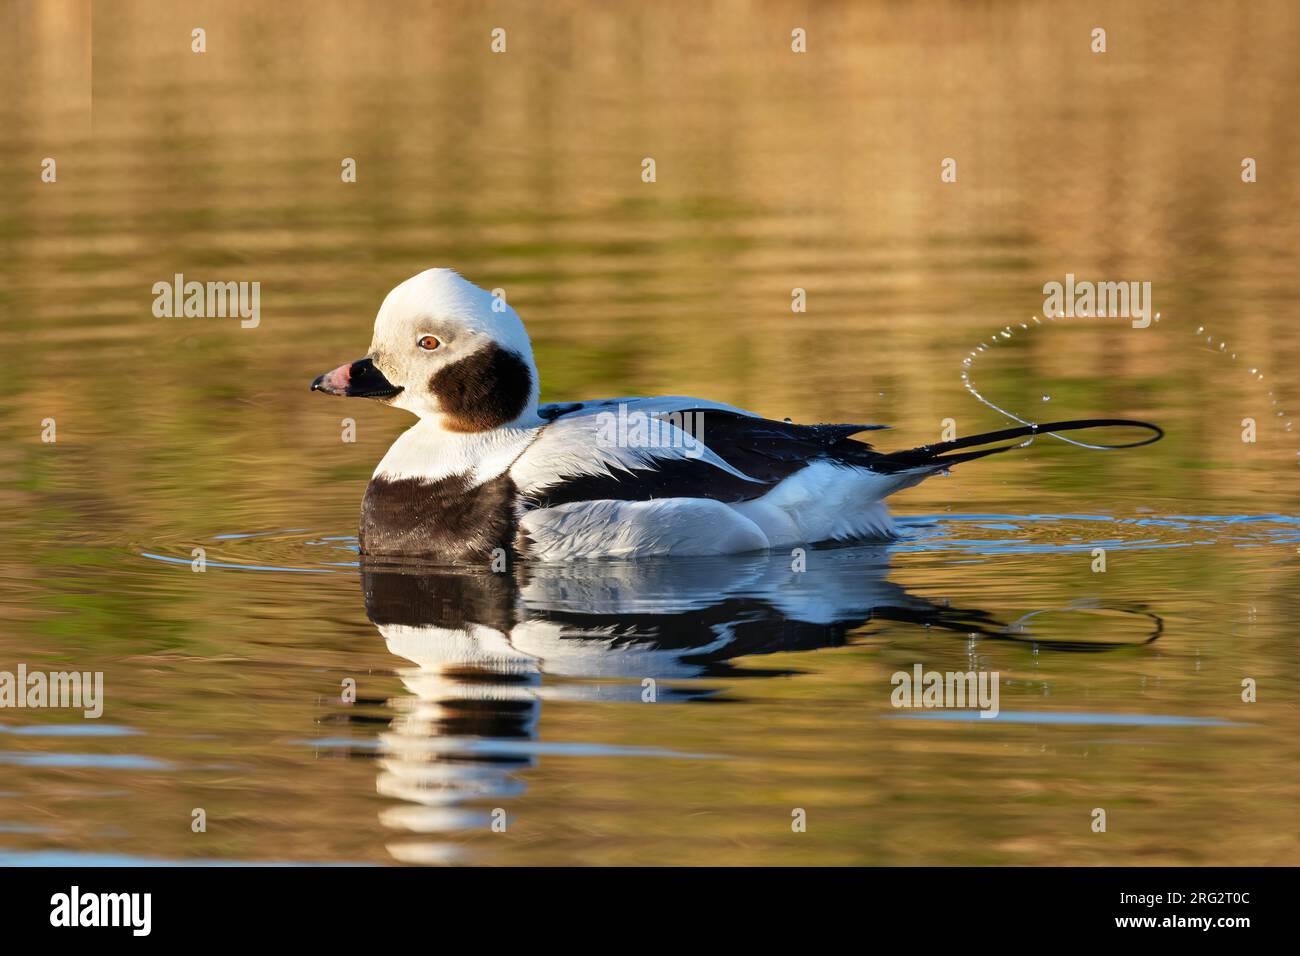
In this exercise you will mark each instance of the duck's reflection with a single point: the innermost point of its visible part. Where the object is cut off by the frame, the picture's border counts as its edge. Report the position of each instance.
(480, 642)
(469, 687)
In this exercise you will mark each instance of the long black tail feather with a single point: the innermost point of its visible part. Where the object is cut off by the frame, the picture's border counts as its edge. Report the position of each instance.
(936, 455)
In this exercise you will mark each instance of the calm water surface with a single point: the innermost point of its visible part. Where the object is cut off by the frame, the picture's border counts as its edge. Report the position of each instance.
(524, 692)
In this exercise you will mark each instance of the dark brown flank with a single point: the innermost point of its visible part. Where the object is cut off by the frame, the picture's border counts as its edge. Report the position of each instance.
(443, 520)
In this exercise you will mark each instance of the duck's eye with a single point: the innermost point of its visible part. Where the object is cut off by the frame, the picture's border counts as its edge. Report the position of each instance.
(428, 343)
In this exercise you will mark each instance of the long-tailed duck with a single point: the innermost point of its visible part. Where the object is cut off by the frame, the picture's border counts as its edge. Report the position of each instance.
(488, 472)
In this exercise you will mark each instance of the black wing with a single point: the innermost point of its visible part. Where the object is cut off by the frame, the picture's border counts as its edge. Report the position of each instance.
(766, 451)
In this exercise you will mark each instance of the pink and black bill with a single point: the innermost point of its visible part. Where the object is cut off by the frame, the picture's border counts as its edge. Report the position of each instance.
(358, 379)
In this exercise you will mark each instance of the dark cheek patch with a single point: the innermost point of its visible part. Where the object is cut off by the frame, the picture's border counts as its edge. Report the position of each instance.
(482, 391)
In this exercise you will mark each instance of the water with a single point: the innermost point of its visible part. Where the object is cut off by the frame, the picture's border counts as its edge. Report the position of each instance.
(225, 690)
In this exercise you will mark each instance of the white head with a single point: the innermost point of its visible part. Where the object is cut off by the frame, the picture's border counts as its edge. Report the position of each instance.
(447, 351)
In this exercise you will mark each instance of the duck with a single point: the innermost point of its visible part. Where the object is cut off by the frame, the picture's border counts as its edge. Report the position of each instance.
(488, 474)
